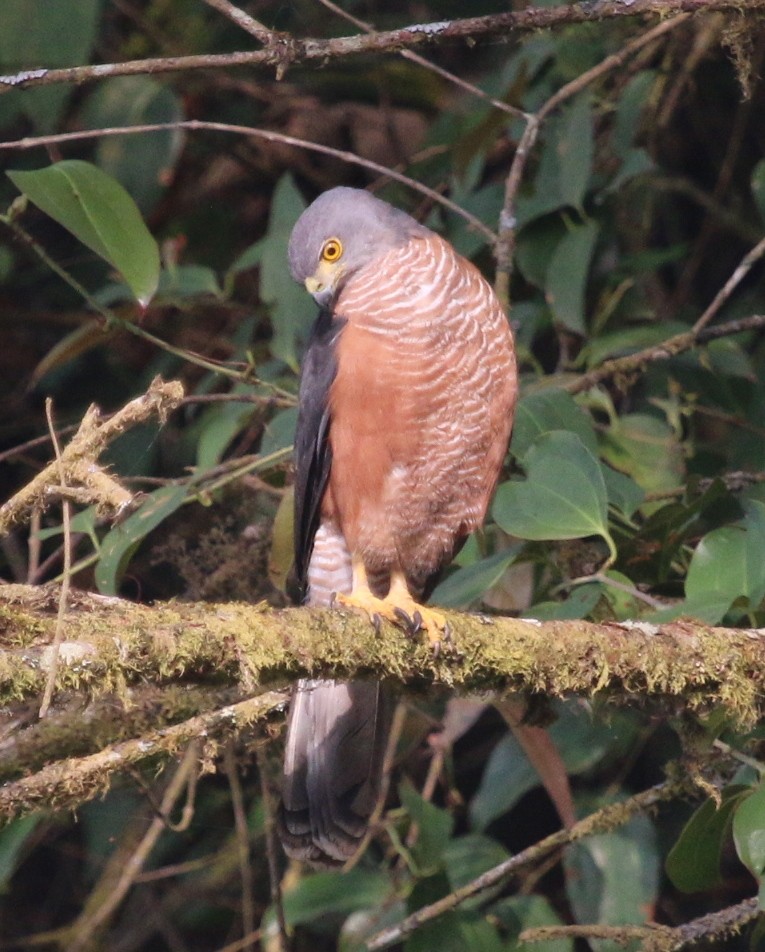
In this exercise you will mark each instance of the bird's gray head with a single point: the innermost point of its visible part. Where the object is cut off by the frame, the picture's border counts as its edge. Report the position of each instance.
(343, 230)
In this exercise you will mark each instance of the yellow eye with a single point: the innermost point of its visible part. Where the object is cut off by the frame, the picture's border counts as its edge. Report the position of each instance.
(332, 249)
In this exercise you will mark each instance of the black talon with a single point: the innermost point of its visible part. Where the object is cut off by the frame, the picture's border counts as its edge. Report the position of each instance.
(333, 600)
(377, 623)
(416, 622)
(405, 619)
(436, 650)
(448, 633)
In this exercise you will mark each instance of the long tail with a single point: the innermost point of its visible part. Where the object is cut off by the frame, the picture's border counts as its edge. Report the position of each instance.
(333, 767)
(337, 734)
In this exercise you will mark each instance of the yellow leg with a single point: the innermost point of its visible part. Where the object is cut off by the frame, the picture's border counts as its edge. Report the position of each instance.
(398, 606)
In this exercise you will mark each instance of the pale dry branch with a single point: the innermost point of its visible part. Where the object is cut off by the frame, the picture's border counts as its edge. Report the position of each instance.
(66, 784)
(78, 459)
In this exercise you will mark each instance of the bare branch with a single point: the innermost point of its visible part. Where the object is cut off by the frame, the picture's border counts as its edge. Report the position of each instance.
(78, 459)
(291, 50)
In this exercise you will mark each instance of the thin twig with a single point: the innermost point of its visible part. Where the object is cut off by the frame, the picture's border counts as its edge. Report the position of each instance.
(731, 284)
(31, 142)
(431, 67)
(508, 219)
(242, 840)
(632, 363)
(272, 852)
(600, 821)
(621, 935)
(85, 928)
(66, 508)
(244, 20)
(292, 50)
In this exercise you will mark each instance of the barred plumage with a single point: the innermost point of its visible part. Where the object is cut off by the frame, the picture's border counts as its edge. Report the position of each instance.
(403, 426)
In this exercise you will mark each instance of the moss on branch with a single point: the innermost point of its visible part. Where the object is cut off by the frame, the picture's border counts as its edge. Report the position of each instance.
(110, 644)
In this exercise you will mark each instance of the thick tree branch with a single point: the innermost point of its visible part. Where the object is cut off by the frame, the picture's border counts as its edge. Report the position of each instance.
(291, 50)
(110, 643)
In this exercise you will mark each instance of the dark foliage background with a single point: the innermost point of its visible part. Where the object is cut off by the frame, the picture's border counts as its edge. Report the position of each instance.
(641, 195)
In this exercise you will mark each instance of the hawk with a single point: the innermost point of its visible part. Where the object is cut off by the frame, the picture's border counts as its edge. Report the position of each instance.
(406, 401)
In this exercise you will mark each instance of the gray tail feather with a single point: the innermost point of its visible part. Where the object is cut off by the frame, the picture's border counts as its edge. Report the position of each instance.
(337, 735)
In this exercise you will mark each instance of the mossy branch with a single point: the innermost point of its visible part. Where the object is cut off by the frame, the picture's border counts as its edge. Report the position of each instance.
(110, 644)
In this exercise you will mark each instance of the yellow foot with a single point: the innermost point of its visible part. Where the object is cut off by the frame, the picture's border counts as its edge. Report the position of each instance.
(400, 608)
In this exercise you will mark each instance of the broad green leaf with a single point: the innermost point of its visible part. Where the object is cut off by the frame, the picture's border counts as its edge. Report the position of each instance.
(629, 340)
(578, 604)
(727, 564)
(38, 33)
(613, 878)
(99, 212)
(120, 544)
(279, 433)
(645, 448)
(218, 426)
(517, 913)
(466, 585)
(567, 274)
(582, 743)
(749, 833)
(546, 410)
(325, 894)
(188, 280)
(623, 492)
(575, 150)
(563, 497)
(12, 840)
(291, 309)
(693, 863)
(469, 856)
(434, 827)
(142, 163)
(632, 101)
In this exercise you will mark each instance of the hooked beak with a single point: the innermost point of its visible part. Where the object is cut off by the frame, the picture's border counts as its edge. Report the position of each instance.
(323, 284)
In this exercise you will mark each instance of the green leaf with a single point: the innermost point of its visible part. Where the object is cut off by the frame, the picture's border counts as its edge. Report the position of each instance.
(582, 743)
(624, 493)
(567, 274)
(727, 564)
(38, 33)
(613, 878)
(693, 863)
(749, 833)
(100, 213)
(279, 433)
(142, 163)
(517, 913)
(468, 584)
(547, 410)
(12, 841)
(469, 856)
(645, 448)
(579, 604)
(219, 425)
(434, 827)
(120, 544)
(325, 894)
(290, 307)
(564, 496)
(575, 150)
